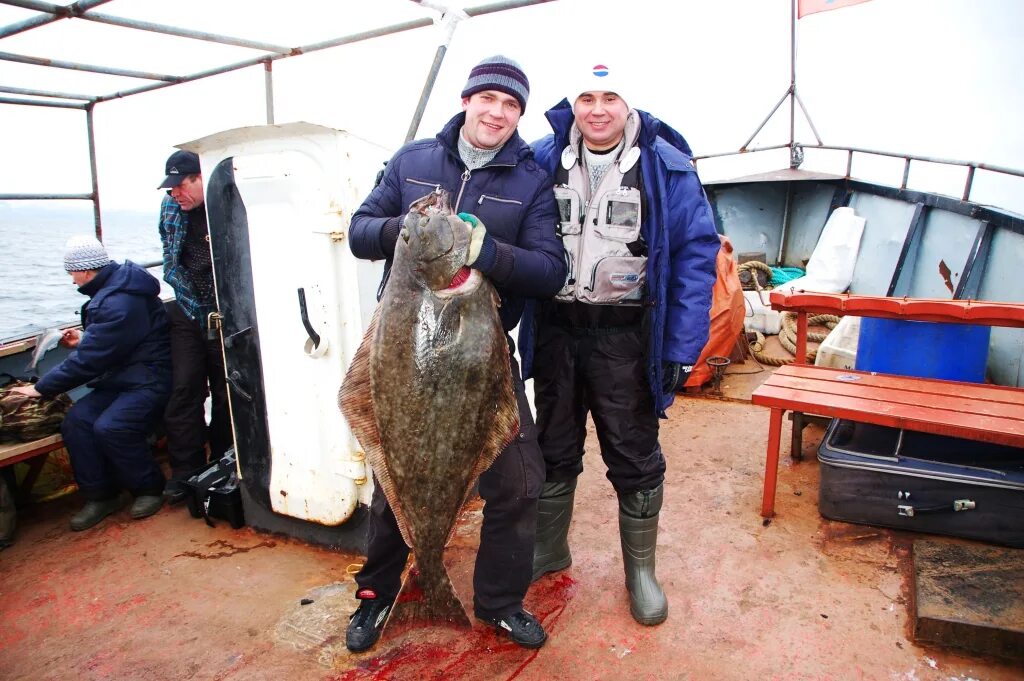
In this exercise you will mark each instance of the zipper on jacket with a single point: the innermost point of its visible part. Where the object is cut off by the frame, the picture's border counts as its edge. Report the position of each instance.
(422, 183)
(466, 175)
(462, 188)
(480, 201)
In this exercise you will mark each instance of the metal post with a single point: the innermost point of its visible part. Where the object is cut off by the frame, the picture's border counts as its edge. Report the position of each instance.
(447, 22)
(268, 80)
(428, 87)
(970, 181)
(792, 73)
(92, 169)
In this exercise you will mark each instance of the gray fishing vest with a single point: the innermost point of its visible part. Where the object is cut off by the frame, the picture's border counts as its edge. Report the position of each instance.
(605, 254)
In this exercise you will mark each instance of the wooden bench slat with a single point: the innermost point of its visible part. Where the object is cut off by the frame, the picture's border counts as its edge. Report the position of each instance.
(20, 451)
(906, 393)
(983, 312)
(913, 417)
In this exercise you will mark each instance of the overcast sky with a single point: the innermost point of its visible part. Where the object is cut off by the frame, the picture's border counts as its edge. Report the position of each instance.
(932, 77)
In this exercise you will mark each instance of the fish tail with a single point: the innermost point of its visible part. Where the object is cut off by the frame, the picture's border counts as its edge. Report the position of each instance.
(430, 596)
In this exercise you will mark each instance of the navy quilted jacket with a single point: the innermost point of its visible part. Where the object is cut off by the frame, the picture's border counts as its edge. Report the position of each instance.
(126, 343)
(511, 195)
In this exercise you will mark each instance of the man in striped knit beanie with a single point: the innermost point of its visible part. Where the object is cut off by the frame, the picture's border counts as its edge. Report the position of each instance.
(489, 172)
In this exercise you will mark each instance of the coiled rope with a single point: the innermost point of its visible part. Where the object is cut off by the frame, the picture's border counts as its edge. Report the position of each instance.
(787, 338)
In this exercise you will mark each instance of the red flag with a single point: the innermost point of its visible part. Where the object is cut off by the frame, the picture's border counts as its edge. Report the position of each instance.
(805, 7)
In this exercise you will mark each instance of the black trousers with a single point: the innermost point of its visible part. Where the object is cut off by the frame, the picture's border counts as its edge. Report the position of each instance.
(195, 363)
(105, 433)
(603, 374)
(504, 561)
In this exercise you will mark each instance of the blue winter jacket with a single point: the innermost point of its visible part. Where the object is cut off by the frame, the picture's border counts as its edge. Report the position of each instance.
(511, 195)
(681, 240)
(126, 344)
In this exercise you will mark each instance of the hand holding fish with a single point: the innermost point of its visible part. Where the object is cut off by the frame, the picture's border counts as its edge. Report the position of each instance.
(71, 338)
(28, 390)
(477, 239)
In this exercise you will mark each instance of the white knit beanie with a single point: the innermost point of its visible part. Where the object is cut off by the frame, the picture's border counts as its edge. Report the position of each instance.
(599, 76)
(84, 253)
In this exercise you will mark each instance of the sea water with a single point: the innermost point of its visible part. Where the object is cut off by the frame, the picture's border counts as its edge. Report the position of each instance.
(35, 291)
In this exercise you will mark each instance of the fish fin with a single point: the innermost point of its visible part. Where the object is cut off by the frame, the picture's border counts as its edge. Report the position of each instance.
(506, 422)
(355, 399)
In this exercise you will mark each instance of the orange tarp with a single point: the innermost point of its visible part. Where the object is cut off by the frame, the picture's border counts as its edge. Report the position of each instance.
(727, 312)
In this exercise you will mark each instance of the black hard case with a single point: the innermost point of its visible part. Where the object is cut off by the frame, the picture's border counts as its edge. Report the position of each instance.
(927, 483)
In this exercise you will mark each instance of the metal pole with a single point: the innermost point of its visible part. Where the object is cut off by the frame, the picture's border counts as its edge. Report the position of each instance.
(969, 183)
(92, 170)
(792, 73)
(92, 68)
(425, 95)
(45, 197)
(44, 93)
(57, 12)
(268, 81)
(448, 21)
(766, 119)
(40, 102)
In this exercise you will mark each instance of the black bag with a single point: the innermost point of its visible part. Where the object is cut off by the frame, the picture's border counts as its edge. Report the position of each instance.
(917, 481)
(213, 492)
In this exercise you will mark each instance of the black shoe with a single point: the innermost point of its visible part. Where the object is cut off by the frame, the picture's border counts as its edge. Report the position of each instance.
(365, 623)
(522, 627)
(95, 511)
(175, 491)
(145, 505)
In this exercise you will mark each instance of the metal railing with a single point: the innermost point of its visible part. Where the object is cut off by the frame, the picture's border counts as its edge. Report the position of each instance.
(796, 150)
(82, 9)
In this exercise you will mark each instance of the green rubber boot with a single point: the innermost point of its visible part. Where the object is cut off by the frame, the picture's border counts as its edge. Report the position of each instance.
(638, 530)
(554, 513)
(95, 511)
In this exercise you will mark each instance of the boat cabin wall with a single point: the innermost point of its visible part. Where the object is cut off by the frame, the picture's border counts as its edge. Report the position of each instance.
(913, 244)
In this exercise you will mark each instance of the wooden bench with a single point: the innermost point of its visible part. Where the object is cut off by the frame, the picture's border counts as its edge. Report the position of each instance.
(34, 453)
(974, 411)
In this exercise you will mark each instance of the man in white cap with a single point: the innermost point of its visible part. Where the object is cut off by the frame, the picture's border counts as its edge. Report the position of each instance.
(620, 338)
(124, 356)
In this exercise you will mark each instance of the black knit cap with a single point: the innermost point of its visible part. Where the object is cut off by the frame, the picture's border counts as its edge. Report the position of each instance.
(502, 74)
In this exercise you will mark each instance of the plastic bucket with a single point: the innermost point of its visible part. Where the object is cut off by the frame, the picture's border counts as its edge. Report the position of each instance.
(955, 352)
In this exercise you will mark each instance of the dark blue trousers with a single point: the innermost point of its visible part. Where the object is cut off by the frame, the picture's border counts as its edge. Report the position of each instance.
(105, 434)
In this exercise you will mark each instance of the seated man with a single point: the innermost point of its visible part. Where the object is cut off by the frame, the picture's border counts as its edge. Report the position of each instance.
(124, 355)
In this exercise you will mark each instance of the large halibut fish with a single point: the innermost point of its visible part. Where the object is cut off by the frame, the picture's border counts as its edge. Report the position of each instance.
(429, 393)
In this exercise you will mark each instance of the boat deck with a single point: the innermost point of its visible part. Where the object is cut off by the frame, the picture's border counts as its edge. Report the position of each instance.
(799, 597)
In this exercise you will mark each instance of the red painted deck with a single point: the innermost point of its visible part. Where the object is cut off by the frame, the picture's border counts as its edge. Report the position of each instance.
(168, 598)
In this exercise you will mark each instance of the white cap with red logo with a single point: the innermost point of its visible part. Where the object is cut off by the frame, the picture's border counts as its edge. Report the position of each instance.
(600, 76)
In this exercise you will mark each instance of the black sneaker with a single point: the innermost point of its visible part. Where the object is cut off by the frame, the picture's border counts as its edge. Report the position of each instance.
(175, 491)
(522, 627)
(365, 623)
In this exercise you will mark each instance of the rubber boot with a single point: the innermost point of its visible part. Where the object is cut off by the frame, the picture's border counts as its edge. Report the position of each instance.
(554, 513)
(638, 530)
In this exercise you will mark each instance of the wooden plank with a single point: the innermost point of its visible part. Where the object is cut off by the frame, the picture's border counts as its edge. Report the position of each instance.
(912, 417)
(18, 450)
(919, 396)
(969, 596)
(987, 313)
(1011, 394)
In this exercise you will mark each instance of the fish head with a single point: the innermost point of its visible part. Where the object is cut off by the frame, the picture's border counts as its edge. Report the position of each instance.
(437, 243)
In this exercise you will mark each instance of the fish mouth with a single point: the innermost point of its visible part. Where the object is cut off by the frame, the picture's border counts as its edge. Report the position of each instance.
(465, 281)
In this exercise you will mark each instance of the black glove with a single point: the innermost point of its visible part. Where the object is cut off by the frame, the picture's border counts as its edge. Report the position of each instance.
(674, 376)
